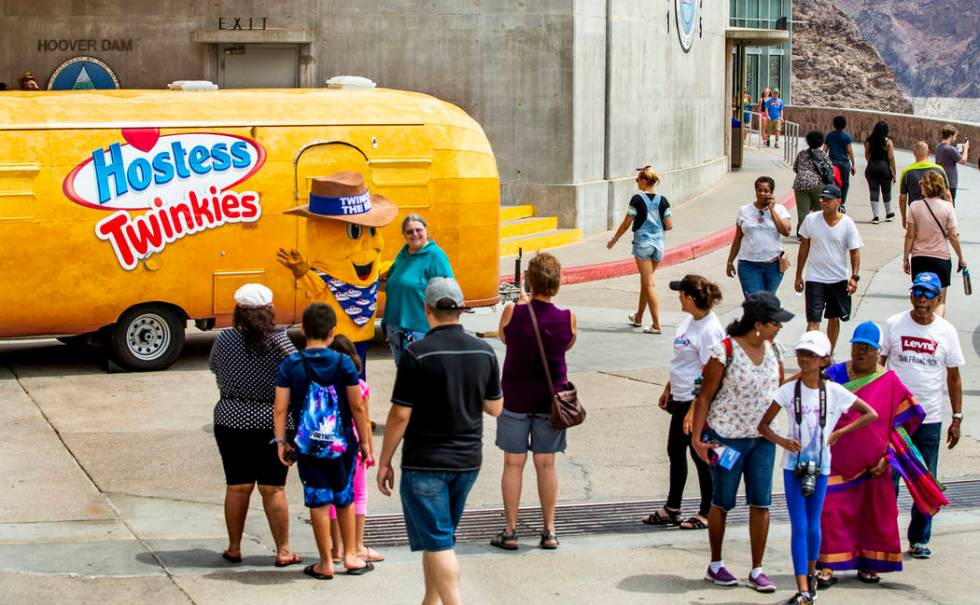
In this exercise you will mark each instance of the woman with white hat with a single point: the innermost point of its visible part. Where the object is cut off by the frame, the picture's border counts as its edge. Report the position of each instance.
(244, 360)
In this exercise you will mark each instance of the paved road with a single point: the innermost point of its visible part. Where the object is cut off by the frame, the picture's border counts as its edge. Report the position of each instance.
(112, 484)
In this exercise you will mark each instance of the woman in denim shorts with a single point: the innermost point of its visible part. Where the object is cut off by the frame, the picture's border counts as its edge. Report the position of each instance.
(525, 422)
(649, 213)
(740, 379)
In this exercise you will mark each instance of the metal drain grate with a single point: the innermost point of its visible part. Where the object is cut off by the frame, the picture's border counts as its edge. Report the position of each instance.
(609, 517)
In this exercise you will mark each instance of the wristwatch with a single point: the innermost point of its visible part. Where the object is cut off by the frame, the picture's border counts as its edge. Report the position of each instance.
(856, 277)
(958, 416)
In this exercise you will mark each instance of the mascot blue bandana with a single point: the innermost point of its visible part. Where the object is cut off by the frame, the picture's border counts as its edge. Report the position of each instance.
(357, 302)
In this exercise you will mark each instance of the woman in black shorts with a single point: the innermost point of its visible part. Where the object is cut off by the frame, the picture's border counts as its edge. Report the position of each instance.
(244, 360)
(930, 232)
(880, 173)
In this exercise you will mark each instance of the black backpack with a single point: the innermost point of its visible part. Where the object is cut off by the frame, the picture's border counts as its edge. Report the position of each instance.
(824, 168)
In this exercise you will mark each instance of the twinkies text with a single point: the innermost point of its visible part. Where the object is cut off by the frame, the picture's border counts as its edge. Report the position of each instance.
(136, 237)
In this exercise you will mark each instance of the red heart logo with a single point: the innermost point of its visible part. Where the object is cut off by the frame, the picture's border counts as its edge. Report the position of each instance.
(141, 138)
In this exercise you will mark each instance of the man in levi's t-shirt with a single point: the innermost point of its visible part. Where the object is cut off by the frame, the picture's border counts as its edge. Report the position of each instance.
(924, 351)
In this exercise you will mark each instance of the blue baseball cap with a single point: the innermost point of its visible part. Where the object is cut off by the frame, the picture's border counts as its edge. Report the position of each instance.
(927, 281)
(867, 333)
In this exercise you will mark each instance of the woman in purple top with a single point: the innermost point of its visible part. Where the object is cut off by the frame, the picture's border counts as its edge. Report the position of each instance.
(525, 423)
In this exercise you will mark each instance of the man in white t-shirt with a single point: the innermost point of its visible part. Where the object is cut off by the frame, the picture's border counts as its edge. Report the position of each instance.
(924, 351)
(829, 239)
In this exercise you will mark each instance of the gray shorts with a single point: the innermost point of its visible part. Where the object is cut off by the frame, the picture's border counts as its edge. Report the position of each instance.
(517, 433)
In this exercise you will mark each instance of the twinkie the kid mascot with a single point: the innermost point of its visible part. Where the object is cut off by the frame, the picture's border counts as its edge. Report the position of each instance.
(344, 245)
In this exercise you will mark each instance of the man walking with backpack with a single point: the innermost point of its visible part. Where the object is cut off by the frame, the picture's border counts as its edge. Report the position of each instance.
(445, 383)
(318, 389)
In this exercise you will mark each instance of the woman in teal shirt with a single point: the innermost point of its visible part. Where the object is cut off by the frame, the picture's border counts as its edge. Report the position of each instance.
(419, 260)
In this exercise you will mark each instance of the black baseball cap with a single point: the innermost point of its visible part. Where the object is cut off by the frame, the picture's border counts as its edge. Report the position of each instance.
(765, 307)
(688, 285)
(830, 192)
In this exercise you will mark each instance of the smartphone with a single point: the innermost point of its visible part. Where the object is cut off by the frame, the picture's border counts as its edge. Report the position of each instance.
(290, 455)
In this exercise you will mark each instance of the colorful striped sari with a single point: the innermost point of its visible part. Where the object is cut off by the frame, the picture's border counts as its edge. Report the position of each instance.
(860, 513)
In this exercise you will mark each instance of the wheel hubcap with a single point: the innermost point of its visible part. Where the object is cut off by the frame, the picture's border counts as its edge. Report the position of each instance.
(148, 337)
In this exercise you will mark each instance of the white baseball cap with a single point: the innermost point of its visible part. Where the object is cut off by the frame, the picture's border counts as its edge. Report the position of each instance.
(253, 296)
(815, 342)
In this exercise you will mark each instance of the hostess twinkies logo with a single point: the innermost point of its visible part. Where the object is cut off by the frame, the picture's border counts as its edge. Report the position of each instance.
(179, 184)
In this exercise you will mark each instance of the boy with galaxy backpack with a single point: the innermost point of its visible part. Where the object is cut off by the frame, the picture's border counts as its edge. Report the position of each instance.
(319, 388)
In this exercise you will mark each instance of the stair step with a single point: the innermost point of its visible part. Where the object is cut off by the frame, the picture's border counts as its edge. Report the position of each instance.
(512, 213)
(539, 241)
(528, 226)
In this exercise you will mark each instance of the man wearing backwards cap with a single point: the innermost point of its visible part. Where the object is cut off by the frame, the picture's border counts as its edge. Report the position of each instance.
(924, 351)
(829, 238)
(445, 383)
(344, 247)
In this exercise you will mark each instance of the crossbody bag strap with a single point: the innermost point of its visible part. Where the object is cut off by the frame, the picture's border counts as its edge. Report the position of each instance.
(537, 337)
(933, 214)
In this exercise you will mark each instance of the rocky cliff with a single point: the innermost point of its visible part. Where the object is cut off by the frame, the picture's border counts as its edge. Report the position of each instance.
(834, 66)
(933, 47)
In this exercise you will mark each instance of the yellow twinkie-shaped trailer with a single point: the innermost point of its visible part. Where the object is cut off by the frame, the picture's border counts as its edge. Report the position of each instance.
(132, 211)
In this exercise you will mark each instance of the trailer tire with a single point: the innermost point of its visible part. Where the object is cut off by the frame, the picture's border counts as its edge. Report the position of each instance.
(148, 337)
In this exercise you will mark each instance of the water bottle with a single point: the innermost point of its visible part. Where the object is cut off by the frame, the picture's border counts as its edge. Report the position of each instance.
(967, 285)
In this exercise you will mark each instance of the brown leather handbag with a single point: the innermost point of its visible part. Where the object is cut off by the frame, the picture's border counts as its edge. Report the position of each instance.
(566, 411)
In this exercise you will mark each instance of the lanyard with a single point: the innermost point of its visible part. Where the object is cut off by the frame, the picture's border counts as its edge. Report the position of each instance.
(798, 411)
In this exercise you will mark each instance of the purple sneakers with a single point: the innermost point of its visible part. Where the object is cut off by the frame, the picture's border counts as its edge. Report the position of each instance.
(721, 577)
(761, 583)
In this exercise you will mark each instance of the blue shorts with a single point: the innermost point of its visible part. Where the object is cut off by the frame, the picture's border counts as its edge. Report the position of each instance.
(755, 463)
(647, 250)
(433, 503)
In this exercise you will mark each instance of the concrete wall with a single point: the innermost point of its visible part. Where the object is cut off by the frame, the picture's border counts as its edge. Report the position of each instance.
(904, 129)
(573, 94)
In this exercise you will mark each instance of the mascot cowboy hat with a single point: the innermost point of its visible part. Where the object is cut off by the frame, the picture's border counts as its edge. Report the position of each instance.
(344, 197)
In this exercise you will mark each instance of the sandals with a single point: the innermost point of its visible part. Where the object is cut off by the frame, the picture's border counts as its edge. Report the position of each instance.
(652, 330)
(694, 522)
(505, 541)
(825, 582)
(549, 541)
(867, 578)
(293, 560)
(633, 321)
(231, 558)
(662, 518)
(313, 573)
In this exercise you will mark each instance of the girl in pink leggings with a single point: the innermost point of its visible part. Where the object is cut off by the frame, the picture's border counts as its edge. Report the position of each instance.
(342, 344)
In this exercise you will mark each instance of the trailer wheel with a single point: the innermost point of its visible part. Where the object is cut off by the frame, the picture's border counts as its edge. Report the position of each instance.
(148, 337)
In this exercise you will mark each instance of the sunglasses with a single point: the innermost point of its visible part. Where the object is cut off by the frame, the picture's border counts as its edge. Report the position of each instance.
(416, 230)
(922, 293)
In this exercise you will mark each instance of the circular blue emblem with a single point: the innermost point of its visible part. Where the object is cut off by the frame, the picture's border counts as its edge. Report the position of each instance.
(687, 21)
(83, 73)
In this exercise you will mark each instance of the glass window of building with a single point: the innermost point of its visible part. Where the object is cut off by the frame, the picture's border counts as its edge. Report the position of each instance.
(775, 71)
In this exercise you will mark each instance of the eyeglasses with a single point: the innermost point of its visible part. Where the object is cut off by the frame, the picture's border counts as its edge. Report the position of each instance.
(415, 230)
(922, 293)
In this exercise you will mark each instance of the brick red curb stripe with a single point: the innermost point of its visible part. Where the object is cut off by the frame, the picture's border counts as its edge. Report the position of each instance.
(678, 254)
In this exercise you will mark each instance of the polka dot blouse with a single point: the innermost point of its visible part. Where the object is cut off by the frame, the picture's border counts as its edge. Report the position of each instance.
(246, 380)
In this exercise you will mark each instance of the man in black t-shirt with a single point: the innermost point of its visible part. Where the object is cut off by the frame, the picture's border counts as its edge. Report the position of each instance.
(445, 383)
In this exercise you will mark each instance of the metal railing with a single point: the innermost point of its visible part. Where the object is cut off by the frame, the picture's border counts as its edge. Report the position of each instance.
(757, 136)
(791, 141)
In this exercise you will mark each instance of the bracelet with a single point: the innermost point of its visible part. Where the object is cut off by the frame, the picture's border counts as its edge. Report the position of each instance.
(279, 442)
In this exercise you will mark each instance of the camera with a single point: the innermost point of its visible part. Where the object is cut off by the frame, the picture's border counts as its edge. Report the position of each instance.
(806, 472)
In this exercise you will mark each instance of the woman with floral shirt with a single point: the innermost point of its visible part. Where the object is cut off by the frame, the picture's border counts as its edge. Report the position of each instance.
(740, 378)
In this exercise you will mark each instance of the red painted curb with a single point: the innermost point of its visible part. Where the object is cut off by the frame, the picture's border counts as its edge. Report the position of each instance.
(678, 254)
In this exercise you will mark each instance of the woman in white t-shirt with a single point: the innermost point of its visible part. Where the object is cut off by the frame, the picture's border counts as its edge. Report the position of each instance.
(757, 245)
(697, 332)
(813, 407)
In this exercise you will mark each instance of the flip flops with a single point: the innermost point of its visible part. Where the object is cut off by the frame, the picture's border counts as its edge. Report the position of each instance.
(311, 571)
(291, 561)
(231, 558)
(360, 571)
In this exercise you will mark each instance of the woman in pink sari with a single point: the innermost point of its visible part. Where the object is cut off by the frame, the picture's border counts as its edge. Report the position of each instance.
(860, 514)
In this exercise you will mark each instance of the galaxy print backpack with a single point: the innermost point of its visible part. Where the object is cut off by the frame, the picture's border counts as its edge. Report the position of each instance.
(319, 430)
